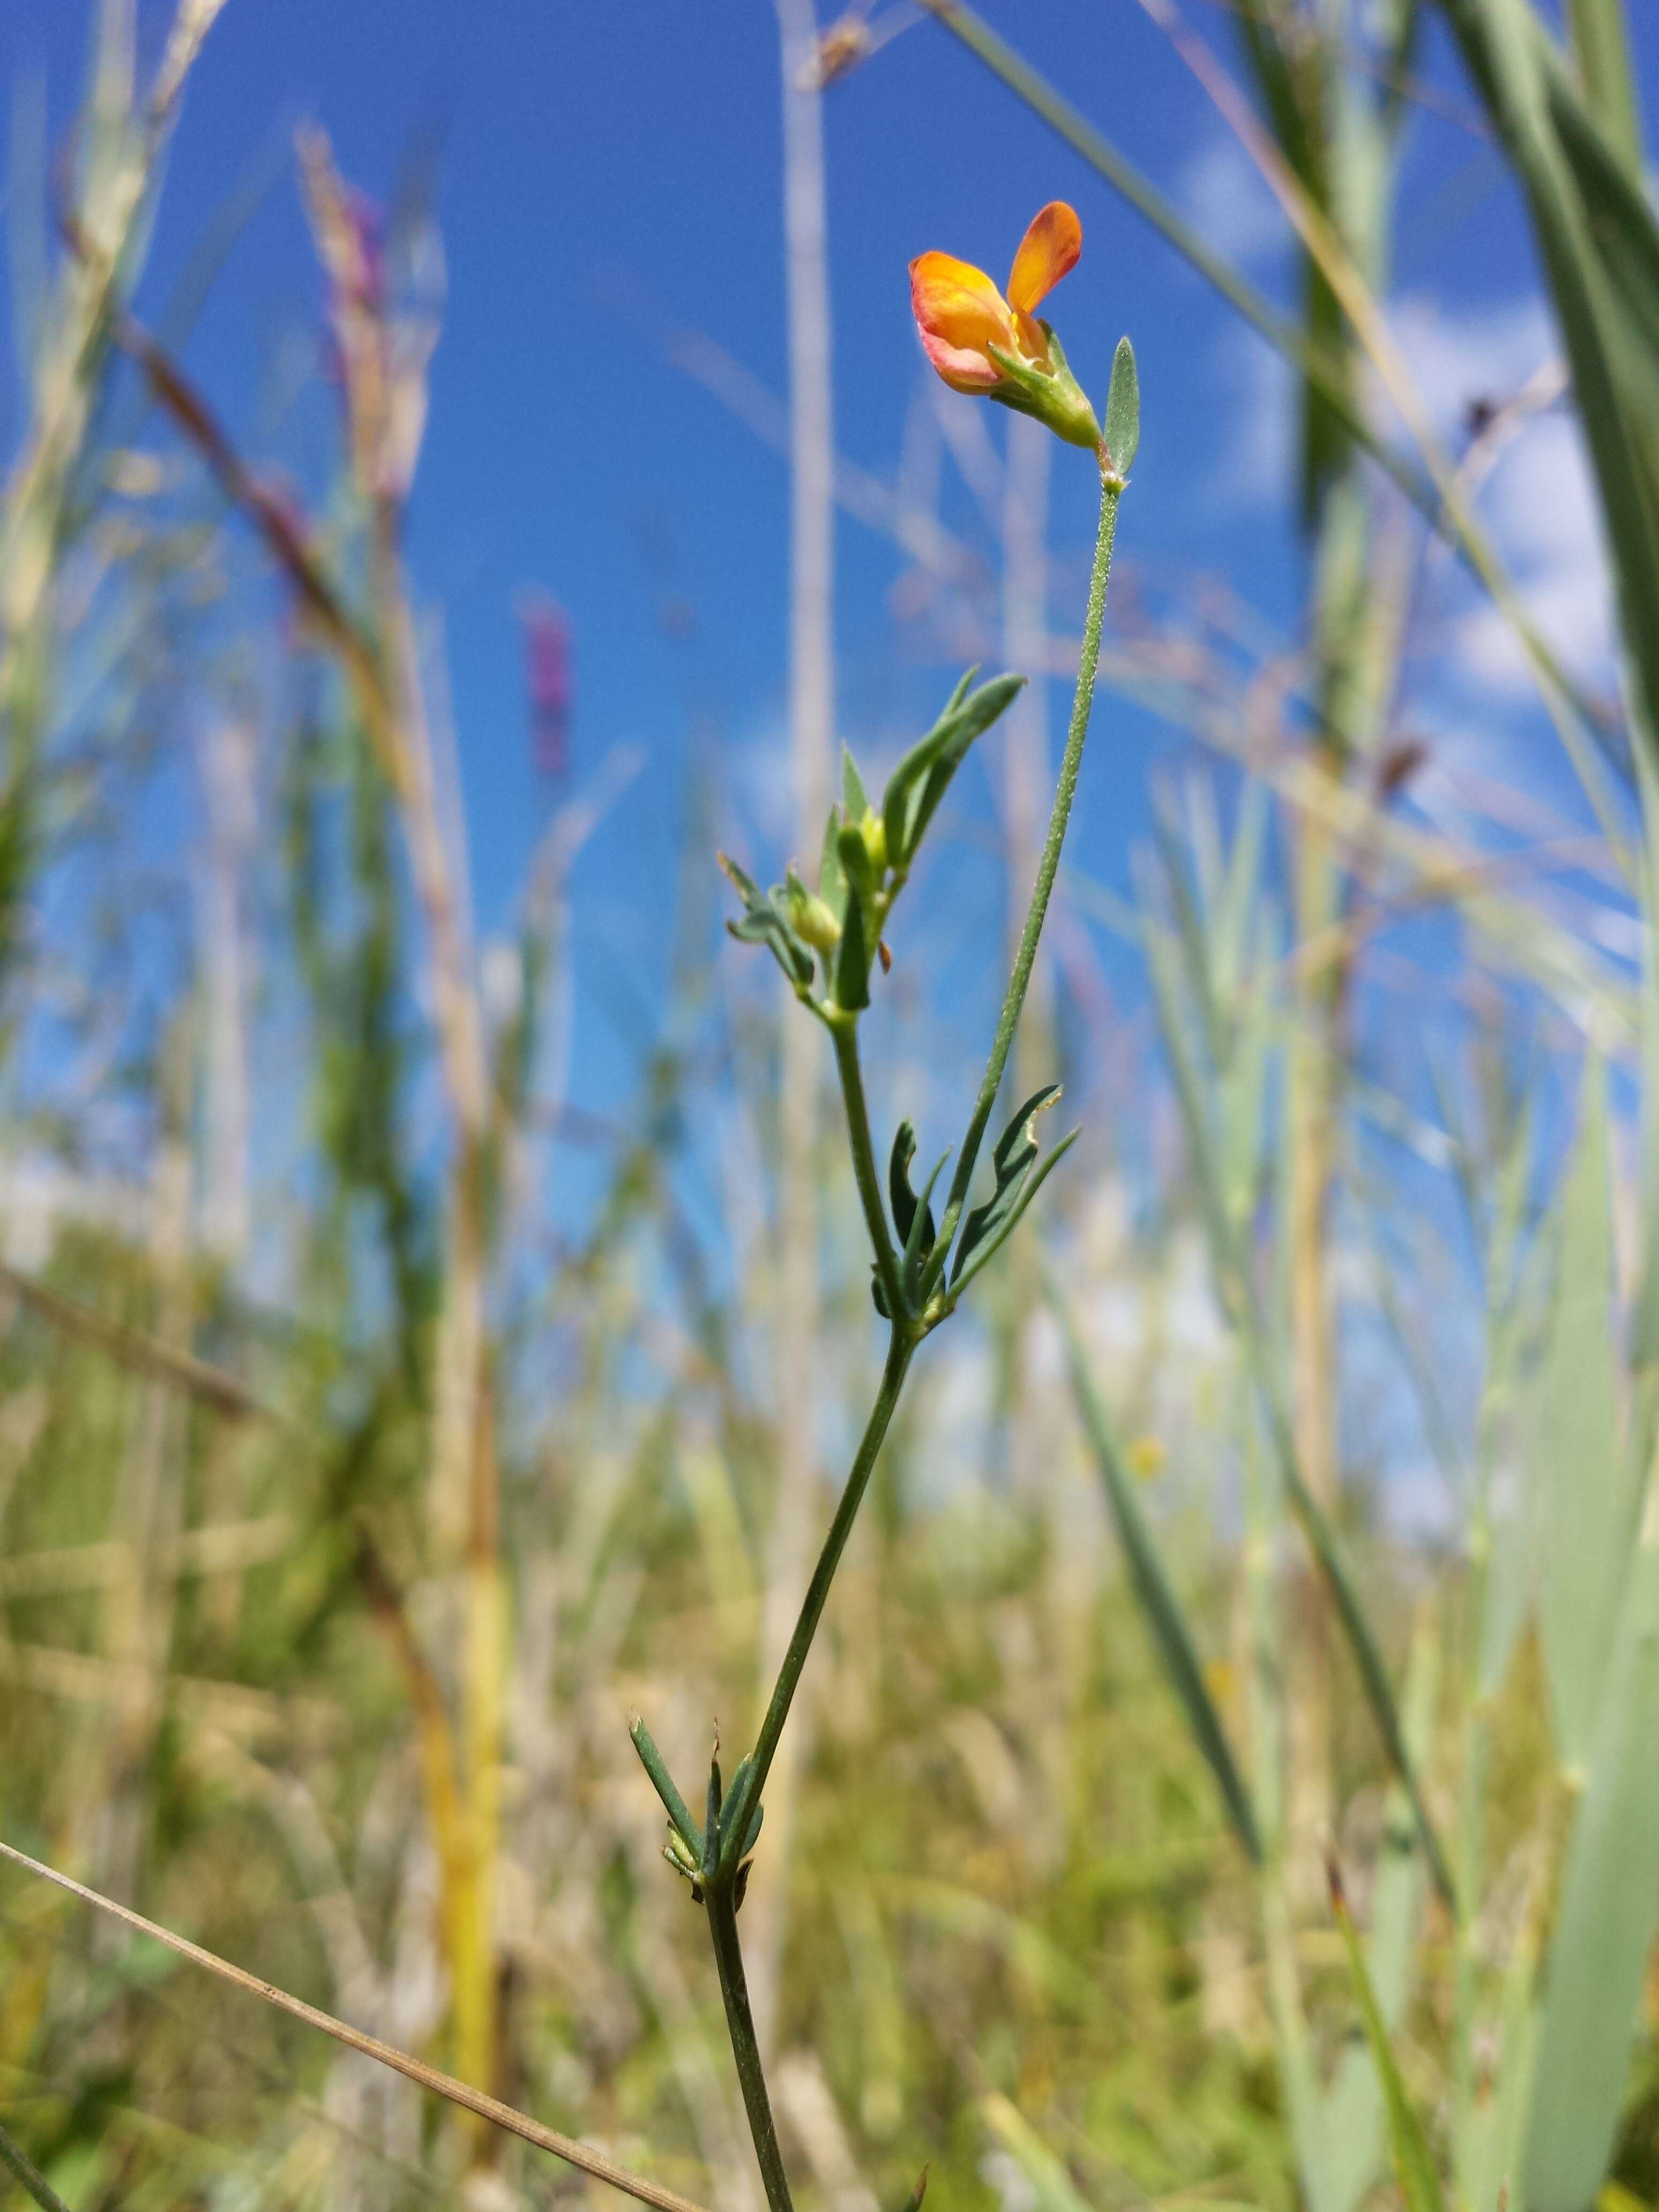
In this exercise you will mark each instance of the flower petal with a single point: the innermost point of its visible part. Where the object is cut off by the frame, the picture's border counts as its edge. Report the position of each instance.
(960, 313)
(1048, 252)
(1032, 343)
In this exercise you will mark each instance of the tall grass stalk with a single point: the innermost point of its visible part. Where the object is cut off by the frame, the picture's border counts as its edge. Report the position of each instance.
(811, 740)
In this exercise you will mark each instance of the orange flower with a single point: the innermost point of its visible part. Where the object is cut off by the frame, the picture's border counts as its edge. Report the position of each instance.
(980, 342)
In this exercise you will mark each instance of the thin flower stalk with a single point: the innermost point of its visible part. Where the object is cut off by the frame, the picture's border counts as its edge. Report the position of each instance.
(829, 942)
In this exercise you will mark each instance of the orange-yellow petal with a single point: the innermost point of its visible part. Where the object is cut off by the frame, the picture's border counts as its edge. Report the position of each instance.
(1032, 343)
(1048, 252)
(960, 314)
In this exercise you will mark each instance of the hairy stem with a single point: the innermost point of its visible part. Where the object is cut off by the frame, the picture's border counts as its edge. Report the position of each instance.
(746, 1797)
(1111, 491)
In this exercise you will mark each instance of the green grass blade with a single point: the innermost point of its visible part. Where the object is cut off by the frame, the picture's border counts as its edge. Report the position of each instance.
(1645, 1323)
(1601, 46)
(1355, 2105)
(1165, 1616)
(1575, 1465)
(1509, 56)
(1608, 1909)
(1051, 2185)
(1350, 1612)
(1492, 2155)
(1413, 2161)
(1164, 967)
(1304, 2100)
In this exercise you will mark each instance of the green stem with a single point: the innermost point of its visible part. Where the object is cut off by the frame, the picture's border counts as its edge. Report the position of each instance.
(734, 1989)
(1111, 491)
(843, 1028)
(746, 1795)
(33, 2181)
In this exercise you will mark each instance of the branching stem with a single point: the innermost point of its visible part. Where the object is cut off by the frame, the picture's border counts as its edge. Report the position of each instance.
(719, 1882)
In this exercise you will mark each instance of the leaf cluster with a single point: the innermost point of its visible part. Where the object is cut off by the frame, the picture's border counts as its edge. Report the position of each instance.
(867, 855)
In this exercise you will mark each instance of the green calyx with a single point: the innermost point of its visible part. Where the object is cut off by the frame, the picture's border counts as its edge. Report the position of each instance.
(1053, 395)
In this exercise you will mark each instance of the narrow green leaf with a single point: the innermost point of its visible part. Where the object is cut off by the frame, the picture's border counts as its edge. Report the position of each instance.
(920, 1241)
(1237, 1299)
(764, 922)
(1644, 1325)
(734, 1797)
(1351, 1612)
(1355, 2106)
(832, 880)
(1016, 1150)
(921, 778)
(1494, 2154)
(852, 799)
(711, 1826)
(990, 1244)
(1123, 409)
(1507, 1502)
(663, 1783)
(1177, 1647)
(1304, 2097)
(1413, 2161)
(1605, 1923)
(1558, 150)
(853, 953)
(1574, 1461)
(852, 961)
(903, 1199)
(1051, 2185)
(1601, 47)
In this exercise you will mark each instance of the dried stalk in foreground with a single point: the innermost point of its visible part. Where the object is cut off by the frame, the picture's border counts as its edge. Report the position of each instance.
(426, 2077)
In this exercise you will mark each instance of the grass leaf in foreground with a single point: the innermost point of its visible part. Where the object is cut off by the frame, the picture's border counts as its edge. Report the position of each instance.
(1165, 1617)
(1419, 2182)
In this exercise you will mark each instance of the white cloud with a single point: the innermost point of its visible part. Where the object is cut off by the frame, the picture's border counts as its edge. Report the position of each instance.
(1542, 510)
(1539, 502)
(1226, 199)
(1468, 354)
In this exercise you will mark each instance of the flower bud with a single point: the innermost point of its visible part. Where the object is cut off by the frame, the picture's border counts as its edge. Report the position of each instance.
(809, 917)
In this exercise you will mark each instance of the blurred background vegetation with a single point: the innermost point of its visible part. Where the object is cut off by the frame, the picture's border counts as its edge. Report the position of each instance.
(348, 1512)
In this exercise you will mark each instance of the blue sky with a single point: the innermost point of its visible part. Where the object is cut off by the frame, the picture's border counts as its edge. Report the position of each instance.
(606, 174)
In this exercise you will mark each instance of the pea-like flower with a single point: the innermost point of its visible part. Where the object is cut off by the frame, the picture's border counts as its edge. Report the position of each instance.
(980, 342)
